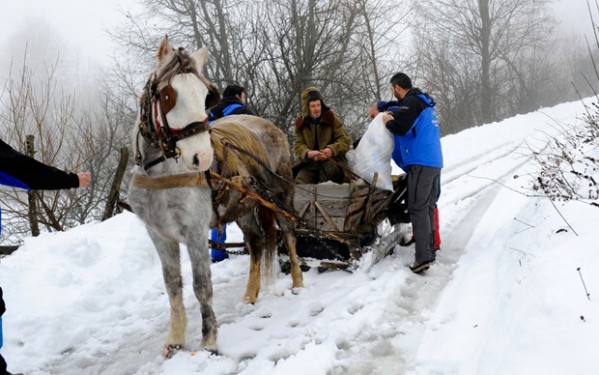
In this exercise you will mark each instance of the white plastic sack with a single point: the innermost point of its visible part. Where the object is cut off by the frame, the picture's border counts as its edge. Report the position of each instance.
(373, 154)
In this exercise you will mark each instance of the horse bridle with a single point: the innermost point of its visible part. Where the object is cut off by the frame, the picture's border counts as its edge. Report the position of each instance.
(153, 101)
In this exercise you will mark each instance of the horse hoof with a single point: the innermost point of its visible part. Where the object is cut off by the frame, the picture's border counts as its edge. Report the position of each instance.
(170, 350)
(250, 299)
(296, 290)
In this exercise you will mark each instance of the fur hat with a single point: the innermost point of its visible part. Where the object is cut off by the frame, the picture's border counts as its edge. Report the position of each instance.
(309, 94)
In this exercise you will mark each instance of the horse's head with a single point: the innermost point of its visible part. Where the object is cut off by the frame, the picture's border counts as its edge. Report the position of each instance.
(174, 107)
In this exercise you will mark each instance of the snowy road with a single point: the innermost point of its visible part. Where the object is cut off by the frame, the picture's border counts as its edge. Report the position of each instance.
(92, 301)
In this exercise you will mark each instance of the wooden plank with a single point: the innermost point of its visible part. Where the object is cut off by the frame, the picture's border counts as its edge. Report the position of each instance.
(326, 216)
(313, 206)
(331, 207)
(303, 210)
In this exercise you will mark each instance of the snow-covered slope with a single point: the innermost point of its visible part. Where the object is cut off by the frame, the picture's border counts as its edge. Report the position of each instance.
(508, 294)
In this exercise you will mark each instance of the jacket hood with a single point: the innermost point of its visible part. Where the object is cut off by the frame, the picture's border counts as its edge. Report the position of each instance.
(423, 96)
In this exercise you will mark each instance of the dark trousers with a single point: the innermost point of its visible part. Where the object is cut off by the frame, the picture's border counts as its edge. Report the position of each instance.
(314, 172)
(2, 366)
(423, 186)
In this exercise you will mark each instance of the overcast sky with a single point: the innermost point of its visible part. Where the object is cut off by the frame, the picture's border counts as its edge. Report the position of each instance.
(84, 23)
(574, 14)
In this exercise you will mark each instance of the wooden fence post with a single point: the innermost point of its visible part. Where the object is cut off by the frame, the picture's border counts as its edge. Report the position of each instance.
(113, 196)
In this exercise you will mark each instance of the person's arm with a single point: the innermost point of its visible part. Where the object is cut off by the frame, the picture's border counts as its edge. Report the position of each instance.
(19, 170)
(341, 140)
(300, 146)
(401, 120)
(2, 306)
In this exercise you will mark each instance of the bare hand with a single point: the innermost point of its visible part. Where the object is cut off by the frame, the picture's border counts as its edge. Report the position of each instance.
(312, 154)
(325, 154)
(387, 117)
(84, 179)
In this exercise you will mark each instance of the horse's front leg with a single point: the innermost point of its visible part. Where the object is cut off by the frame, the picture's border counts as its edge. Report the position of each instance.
(171, 272)
(199, 254)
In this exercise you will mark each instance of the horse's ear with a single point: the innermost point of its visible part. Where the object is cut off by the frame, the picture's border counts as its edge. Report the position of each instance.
(164, 49)
(200, 57)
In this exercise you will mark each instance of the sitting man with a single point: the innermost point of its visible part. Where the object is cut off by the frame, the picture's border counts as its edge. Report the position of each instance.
(321, 142)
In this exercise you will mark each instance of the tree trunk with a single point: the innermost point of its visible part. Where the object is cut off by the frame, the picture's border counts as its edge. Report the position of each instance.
(32, 214)
(113, 196)
(487, 95)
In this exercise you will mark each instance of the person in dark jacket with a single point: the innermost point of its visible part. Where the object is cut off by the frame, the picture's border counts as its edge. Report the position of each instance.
(233, 102)
(21, 171)
(418, 144)
(384, 106)
(321, 142)
(2, 310)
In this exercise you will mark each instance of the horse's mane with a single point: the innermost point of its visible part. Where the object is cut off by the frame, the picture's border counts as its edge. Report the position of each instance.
(235, 162)
(181, 62)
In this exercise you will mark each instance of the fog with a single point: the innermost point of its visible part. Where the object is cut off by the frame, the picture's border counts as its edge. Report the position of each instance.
(83, 24)
(574, 16)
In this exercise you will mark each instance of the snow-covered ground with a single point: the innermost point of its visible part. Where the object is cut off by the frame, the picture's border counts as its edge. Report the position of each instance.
(508, 294)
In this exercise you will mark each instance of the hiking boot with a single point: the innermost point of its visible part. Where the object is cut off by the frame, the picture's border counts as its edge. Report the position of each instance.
(419, 267)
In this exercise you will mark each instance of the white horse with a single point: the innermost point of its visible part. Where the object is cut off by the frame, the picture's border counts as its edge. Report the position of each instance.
(169, 192)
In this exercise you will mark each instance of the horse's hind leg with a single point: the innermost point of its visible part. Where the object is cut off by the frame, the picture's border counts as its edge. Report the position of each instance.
(202, 287)
(255, 245)
(171, 272)
(291, 244)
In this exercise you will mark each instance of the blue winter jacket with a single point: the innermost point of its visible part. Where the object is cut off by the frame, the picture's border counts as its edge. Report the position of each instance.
(228, 106)
(421, 143)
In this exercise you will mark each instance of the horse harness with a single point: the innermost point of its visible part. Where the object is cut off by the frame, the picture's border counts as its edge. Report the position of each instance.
(154, 101)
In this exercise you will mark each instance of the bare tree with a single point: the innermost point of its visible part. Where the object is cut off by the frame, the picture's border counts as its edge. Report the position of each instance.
(500, 37)
(68, 132)
(277, 48)
(28, 111)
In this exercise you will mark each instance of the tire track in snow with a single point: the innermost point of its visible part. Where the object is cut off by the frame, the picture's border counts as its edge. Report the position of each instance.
(420, 294)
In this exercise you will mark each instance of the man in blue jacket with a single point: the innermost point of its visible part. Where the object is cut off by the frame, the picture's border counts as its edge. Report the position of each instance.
(233, 102)
(21, 171)
(418, 147)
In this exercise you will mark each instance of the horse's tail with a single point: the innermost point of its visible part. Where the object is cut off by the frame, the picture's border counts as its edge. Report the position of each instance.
(267, 219)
